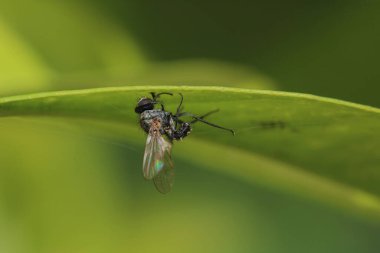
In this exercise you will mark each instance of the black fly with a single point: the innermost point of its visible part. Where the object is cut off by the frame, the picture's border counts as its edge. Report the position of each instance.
(163, 128)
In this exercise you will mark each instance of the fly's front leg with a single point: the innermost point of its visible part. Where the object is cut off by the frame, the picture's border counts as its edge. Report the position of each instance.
(156, 96)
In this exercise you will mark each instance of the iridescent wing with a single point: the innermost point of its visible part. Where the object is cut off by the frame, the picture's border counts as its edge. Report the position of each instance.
(165, 178)
(152, 163)
(157, 164)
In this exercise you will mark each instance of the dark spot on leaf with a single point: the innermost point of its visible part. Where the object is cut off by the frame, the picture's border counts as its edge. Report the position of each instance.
(273, 125)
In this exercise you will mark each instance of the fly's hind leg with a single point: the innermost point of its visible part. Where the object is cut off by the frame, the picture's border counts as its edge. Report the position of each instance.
(185, 127)
(200, 118)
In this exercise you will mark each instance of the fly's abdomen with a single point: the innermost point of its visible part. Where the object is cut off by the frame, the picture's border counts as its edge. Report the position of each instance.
(182, 132)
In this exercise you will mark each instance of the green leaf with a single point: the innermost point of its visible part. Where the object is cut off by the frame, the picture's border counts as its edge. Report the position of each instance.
(318, 148)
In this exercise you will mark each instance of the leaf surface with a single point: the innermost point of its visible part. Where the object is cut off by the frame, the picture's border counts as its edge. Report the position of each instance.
(311, 146)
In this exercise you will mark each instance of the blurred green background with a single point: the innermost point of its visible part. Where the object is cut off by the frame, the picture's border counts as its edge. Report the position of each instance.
(66, 186)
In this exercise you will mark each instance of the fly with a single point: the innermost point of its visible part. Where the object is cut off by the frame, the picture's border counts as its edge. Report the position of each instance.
(163, 128)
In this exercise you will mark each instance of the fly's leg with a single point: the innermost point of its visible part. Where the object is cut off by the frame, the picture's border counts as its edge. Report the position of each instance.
(185, 128)
(200, 118)
(204, 116)
(156, 96)
(178, 111)
(178, 114)
(180, 104)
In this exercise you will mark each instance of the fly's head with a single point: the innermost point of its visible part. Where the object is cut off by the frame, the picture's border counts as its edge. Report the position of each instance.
(144, 104)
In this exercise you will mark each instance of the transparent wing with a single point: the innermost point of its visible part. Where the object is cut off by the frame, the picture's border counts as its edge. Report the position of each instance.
(165, 178)
(157, 156)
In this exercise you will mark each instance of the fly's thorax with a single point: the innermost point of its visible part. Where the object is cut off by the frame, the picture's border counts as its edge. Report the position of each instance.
(154, 118)
(151, 114)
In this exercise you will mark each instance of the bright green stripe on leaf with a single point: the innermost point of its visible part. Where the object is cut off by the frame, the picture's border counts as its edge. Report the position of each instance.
(187, 88)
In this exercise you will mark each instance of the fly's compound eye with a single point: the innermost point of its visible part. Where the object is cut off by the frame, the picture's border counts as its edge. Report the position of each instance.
(144, 104)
